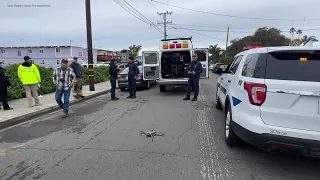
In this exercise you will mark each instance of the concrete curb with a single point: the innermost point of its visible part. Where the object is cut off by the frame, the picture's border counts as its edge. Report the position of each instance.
(27, 117)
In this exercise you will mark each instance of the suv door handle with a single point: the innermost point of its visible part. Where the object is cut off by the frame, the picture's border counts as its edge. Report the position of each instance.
(229, 81)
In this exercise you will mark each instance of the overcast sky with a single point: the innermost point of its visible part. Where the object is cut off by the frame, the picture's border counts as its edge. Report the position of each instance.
(59, 21)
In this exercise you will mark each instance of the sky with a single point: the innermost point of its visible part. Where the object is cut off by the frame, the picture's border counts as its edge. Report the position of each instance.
(63, 22)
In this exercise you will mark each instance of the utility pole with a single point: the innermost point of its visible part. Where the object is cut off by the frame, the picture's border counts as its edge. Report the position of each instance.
(225, 54)
(165, 22)
(89, 46)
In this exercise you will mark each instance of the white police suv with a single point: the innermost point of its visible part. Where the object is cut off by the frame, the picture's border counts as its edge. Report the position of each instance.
(271, 98)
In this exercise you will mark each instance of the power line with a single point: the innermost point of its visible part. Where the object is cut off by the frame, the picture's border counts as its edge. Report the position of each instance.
(165, 22)
(232, 16)
(134, 12)
(198, 33)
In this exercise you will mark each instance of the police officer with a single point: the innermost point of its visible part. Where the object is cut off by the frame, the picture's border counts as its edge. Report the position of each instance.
(113, 72)
(194, 71)
(132, 77)
(4, 84)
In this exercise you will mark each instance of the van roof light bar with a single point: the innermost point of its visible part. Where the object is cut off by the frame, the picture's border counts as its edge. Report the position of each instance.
(190, 38)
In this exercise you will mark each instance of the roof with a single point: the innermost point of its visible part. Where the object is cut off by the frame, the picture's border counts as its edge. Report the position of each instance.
(276, 48)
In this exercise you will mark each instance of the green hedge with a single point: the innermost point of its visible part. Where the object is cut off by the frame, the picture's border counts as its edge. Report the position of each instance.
(47, 86)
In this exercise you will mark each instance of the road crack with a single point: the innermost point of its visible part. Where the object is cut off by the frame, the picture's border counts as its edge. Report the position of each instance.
(178, 140)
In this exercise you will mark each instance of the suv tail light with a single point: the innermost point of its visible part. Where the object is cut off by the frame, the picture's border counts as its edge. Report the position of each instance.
(256, 92)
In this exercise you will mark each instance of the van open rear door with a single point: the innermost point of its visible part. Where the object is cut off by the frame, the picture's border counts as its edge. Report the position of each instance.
(203, 58)
(150, 63)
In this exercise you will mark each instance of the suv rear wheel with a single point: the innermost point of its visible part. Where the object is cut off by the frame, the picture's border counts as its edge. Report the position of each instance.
(231, 138)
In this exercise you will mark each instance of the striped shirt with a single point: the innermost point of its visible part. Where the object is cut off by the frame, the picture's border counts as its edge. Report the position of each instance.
(64, 78)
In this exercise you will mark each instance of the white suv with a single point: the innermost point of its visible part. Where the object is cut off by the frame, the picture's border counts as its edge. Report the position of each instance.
(271, 98)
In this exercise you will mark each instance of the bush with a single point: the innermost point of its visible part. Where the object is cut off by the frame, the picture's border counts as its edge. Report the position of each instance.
(47, 86)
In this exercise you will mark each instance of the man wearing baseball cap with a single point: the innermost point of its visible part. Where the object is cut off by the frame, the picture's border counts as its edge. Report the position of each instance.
(29, 76)
(77, 87)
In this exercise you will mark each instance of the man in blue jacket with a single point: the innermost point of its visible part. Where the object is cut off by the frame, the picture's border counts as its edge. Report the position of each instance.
(194, 71)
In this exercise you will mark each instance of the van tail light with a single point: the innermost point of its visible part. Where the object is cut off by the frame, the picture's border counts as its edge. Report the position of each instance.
(256, 92)
(172, 46)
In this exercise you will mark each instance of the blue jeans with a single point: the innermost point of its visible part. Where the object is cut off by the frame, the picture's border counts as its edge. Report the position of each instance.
(66, 96)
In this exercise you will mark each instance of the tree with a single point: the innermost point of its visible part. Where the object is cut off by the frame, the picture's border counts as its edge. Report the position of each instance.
(134, 50)
(263, 36)
(304, 40)
(215, 53)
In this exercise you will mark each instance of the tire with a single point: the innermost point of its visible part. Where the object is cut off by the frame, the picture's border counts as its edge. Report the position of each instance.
(163, 88)
(218, 103)
(122, 89)
(231, 139)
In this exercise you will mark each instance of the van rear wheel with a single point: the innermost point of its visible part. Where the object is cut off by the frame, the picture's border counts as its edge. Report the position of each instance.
(163, 88)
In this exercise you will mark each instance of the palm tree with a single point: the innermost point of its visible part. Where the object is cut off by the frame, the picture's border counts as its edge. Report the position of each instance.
(214, 50)
(307, 39)
(299, 32)
(292, 31)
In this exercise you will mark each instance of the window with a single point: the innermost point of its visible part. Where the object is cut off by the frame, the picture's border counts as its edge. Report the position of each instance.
(234, 66)
(151, 58)
(202, 55)
(3, 51)
(80, 54)
(19, 53)
(42, 61)
(297, 65)
(41, 50)
(255, 65)
(58, 62)
(29, 50)
(58, 50)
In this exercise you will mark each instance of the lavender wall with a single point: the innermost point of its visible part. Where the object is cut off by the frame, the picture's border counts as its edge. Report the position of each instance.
(47, 57)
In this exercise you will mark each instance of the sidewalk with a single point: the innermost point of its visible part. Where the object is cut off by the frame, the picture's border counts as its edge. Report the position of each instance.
(21, 112)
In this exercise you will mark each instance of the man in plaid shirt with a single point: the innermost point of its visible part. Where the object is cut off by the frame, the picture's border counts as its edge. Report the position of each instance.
(63, 78)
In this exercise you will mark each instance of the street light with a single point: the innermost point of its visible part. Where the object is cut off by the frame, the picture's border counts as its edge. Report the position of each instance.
(89, 46)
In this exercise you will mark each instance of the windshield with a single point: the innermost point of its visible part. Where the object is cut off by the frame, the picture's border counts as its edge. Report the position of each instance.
(293, 65)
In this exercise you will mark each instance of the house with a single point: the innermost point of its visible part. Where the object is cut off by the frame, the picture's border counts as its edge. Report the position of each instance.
(49, 56)
(105, 55)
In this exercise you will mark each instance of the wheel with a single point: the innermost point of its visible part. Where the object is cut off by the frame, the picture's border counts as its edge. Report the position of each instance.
(231, 138)
(122, 89)
(148, 85)
(218, 103)
(163, 88)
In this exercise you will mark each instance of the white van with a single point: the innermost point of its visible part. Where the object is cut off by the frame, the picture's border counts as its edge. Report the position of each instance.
(169, 66)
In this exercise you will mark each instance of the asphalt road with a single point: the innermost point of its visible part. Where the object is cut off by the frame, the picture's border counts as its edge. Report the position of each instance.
(101, 140)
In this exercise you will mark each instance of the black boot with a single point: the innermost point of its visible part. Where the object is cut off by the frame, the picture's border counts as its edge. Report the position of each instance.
(115, 99)
(195, 98)
(186, 98)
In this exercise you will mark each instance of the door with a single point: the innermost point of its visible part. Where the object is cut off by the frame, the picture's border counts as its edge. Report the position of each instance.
(293, 90)
(150, 63)
(228, 78)
(203, 58)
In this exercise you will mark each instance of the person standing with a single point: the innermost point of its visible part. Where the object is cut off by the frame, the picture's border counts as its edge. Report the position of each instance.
(29, 75)
(113, 74)
(194, 71)
(63, 78)
(4, 84)
(77, 87)
(132, 77)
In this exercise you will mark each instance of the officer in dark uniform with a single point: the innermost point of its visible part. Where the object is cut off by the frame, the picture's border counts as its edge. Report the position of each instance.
(4, 84)
(194, 71)
(113, 72)
(132, 77)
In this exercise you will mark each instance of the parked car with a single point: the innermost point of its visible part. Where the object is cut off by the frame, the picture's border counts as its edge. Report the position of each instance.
(221, 68)
(216, 67)
(123, 80)
(270, 98)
